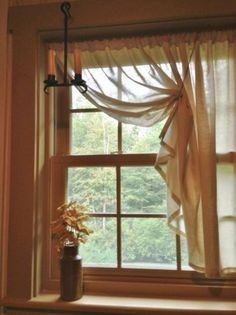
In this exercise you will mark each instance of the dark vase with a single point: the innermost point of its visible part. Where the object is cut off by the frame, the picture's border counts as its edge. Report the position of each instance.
(71, 276)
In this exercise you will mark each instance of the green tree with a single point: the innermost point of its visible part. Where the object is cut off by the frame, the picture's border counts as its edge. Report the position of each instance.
(148, 241)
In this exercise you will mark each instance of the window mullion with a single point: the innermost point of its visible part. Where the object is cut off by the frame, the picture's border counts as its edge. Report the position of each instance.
(178, 252)
(118, 180)
(119, 137)
(119, 96)
(84, 110)
(62, 112)
(118, 197)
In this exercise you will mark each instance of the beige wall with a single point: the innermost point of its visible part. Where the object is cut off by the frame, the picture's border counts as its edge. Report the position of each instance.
(4, 142)
(29, 2)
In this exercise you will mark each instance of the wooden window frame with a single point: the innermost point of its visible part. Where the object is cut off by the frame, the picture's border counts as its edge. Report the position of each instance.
(100, 280)
(63, 159)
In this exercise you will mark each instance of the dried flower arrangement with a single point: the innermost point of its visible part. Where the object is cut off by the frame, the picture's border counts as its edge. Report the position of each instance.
(69, 229)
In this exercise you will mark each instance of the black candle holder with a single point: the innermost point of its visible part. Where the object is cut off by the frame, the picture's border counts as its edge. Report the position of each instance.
(77, 80)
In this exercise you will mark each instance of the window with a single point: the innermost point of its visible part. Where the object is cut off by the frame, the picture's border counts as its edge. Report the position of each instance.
(109, 166)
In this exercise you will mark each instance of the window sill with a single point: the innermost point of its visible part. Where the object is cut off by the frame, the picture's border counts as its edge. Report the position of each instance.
(124, 305)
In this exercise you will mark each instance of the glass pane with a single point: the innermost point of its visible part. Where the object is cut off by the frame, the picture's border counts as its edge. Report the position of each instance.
(101, 248)
(79, 101)
(141, 139)
(148, 243)
(93, 133)
(94, 187)
(103, 78)
(142, 190)
(184, 254)
(226, 197)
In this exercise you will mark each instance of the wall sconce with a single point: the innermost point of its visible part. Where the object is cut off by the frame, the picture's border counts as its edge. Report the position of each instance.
(51, 80)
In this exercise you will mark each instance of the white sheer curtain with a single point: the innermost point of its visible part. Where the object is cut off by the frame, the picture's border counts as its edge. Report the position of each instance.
(189, 79)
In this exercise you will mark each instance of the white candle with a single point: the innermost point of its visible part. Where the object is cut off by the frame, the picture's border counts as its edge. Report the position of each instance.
(51, 62)
(77, 62)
